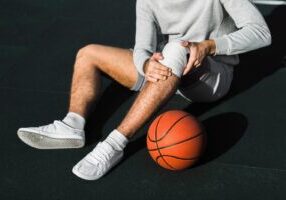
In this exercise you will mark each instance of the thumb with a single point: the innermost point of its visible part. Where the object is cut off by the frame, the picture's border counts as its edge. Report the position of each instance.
(188, 67)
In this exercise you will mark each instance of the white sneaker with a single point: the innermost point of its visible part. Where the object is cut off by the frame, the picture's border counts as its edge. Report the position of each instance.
(98, 162)
(57, 135)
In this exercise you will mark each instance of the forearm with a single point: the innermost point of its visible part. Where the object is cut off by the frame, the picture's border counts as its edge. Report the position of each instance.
(252, 33)
(244, 40)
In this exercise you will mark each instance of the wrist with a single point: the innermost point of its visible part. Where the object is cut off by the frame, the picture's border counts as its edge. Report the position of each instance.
(211, 47)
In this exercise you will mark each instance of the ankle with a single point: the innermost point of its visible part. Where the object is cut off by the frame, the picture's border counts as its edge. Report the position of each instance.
(126, 132)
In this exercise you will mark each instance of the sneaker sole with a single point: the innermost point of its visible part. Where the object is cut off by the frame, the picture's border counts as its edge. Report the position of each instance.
(44, 142)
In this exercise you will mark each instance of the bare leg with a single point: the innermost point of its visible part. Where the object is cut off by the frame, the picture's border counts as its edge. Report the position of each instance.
(90, 62)
(152, 96)
(118, 64)
(108, 153)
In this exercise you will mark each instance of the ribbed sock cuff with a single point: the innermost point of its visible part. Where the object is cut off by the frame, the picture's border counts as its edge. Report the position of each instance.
(74, 120)
(117, 139)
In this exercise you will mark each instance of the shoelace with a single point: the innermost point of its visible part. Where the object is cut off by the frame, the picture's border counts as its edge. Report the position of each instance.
(51, 127)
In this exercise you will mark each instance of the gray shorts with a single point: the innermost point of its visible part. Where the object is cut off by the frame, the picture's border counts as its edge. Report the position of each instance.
(207, 83)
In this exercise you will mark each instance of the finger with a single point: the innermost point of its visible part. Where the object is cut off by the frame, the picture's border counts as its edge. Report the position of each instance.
(189, 66)
(193, 59)
(162, 67)
(158, 76)
(151, 79)
(187, 69)
(162, 72)
(197, 62)
(199, 65)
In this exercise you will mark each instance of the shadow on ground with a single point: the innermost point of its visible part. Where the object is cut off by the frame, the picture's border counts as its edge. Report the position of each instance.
(223, 132)
(110, 100)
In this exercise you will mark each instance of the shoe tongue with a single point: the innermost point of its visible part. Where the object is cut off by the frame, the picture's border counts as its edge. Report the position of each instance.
(50, 127)
(104, 146)
(102, 152)
(59, 126)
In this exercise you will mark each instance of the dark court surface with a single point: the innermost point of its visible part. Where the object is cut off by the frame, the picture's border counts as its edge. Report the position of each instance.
(245, 157)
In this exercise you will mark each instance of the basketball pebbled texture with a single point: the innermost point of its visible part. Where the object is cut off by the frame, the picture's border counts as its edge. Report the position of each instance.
(176, 140)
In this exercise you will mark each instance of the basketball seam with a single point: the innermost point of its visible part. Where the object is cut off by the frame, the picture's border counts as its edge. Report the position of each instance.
(177, 157)
(155, 128)
(190, 138)
(167, 132)
(158, 146)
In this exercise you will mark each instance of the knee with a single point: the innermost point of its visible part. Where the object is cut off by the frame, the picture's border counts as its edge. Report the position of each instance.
(86, 52)
(175, 57)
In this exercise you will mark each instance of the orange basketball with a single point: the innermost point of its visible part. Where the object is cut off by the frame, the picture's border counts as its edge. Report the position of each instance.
(176, 140)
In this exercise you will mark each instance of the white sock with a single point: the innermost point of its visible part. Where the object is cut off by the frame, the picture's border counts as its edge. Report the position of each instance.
(117, 140)
(74, 120)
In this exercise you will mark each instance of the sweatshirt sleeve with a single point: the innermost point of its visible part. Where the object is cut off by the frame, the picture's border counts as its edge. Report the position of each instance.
(252, 33)
(145, 36)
